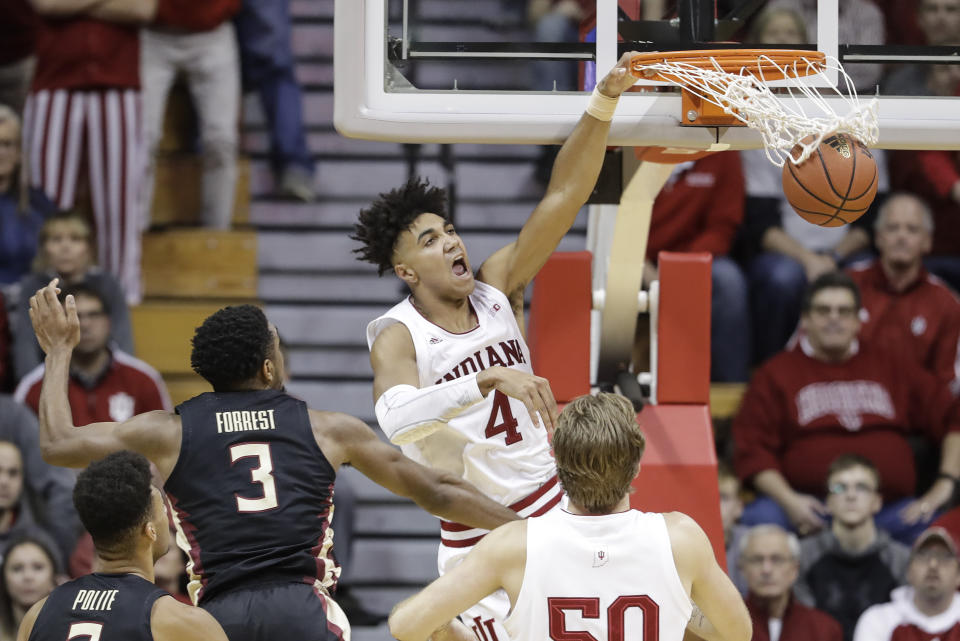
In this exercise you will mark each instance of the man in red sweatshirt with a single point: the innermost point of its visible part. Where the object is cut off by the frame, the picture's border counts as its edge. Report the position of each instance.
(905, 307)
(829, 396)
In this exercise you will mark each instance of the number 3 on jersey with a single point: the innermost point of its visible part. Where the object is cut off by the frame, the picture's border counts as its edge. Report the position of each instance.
(501, 420)
(261, 475)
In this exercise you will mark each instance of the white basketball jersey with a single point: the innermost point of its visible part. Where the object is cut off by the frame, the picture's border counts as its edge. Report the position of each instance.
(505, 456)
(612, 576)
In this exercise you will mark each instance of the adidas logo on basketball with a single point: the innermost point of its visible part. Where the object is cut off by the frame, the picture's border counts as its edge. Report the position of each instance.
(840, 144)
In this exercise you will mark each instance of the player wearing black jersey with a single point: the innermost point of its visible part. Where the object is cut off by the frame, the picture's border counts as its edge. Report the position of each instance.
(125, 516)
(248, 471)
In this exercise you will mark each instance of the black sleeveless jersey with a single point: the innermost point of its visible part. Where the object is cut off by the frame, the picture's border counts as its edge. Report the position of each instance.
(251, 493)
(98, 607)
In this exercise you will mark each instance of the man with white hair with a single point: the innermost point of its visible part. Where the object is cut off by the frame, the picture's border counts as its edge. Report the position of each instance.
(927, 608)
(905, 307)
(770, 561)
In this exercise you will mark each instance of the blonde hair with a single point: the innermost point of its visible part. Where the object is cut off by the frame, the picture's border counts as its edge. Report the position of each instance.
(761, 22)
(40, 262)
(597, 445)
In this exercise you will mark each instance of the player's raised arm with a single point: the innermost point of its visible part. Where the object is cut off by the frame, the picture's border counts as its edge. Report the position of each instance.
(574, 176)
(345, 439)
(720, 614)
(497, 562)
(156, 435)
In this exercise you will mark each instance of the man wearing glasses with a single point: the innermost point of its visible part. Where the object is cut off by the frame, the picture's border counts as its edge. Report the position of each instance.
(769, 561)
(851, 565)
(927, 608)
(830, 396)
(106, 384)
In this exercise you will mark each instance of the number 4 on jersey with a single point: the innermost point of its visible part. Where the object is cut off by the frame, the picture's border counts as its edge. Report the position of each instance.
(501, 420)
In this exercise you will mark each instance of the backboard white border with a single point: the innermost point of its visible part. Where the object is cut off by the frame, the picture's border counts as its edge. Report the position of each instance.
(364, 109)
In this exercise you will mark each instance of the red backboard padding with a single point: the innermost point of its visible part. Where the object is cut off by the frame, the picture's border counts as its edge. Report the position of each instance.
(559, 325)
(683, 347)
(678, 471)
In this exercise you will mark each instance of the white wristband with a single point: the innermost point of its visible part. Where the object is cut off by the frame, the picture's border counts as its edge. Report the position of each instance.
(407, 414)
(602, 107)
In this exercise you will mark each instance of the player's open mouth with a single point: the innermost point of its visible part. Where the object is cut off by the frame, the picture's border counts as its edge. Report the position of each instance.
(459, 267)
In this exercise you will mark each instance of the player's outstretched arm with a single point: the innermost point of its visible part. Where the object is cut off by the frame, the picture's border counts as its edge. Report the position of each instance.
(496, 562)
(156, 434)
(171, 620)
(345, 439)
(574, 176)
(719, 612)
(407, 413)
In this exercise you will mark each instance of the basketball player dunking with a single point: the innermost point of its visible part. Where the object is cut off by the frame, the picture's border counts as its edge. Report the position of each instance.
(596, 570)
(248, 471)
(453, 383)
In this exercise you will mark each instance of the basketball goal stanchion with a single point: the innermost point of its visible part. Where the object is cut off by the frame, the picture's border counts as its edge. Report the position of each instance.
(772, 91)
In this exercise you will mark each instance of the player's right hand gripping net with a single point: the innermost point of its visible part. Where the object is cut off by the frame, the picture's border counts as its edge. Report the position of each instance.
(784, 122)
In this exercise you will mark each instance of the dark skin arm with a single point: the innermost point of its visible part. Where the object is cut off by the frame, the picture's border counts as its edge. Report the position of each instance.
(345, 439)
(171, 620)
(26, 625)
(156, 435)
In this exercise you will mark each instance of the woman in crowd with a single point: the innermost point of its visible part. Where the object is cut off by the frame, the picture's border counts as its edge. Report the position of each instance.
(30, 571)
(66, 250)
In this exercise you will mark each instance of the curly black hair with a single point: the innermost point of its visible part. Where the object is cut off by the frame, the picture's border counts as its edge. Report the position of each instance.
(113, 498)
(231, 345)
(392, 214)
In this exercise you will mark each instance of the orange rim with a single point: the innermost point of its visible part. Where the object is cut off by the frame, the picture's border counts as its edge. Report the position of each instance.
(764, 63)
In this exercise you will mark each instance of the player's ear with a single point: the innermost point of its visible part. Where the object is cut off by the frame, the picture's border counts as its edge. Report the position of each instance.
(406, 273)
(269, 371)
(151, 531)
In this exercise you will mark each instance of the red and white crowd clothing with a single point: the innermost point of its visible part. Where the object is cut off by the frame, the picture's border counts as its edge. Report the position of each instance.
(700, 207)
(800, 413)
(84, 114)
(922, 321)
(799, 623)
(127, 387)
(900, 620)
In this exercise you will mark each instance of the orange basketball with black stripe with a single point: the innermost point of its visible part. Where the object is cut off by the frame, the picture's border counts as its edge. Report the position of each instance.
(835, 185)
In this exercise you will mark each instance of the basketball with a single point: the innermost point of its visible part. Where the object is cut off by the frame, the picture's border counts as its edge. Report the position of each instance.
(835, 185)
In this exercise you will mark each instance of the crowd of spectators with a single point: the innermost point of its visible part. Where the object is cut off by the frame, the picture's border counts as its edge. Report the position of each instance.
(849, 432)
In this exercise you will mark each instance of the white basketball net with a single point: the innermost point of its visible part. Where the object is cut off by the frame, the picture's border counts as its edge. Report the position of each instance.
(784, 122)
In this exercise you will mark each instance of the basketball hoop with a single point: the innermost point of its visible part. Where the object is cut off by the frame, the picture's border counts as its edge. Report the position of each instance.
(727, 87)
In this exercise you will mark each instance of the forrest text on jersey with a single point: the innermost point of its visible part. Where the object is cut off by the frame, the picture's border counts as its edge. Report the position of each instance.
(244, 421)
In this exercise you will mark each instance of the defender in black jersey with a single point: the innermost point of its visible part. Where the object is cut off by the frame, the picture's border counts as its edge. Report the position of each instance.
(249, 473)
(126, 517)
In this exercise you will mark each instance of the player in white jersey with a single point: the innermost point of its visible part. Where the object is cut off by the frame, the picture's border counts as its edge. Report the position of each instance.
(452, 378)
(595, 570)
